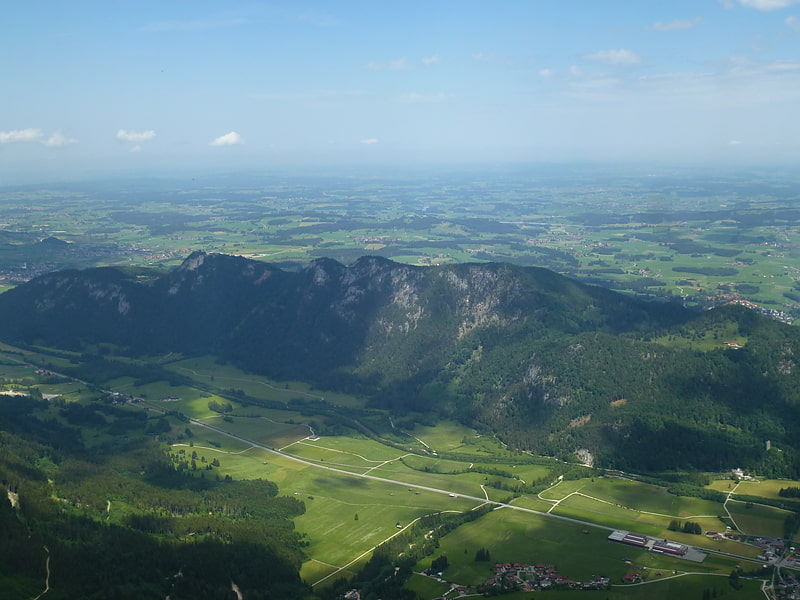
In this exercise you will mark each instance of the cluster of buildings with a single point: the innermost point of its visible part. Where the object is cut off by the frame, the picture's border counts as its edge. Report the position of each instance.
(653, 544)
(772, 313)
(788, 587)
(529, 578)
(771, 548)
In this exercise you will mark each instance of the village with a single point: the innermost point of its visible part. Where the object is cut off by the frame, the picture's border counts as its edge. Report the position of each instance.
(509, 577)
(529, 578)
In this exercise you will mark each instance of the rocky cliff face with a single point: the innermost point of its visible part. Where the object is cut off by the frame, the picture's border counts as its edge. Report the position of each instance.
(541, 359)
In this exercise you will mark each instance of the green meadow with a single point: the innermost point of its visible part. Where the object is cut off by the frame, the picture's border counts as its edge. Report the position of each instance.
(208, 371)
(767, 488)
(758, 519)
(347, 516)
(577, 551)
(685, 586)
(655, 501)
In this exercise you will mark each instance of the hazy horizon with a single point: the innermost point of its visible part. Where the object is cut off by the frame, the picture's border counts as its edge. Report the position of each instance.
(97, 89)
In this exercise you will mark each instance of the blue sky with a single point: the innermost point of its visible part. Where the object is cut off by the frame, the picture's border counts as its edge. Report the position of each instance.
(102, 87)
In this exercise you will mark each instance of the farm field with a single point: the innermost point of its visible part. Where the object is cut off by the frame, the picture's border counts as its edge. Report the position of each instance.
(515, 537)
(758, 519)
(347, 516)
(688, 586)
(672, 234)
(767, 488)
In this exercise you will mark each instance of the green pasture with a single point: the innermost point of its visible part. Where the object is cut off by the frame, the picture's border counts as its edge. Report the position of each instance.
(327, 458)
(207, 371)
(614, 511)
(157, 391)
(433, 464)
(517, 474)
(336, 536)
(711, 339)
(514, 536)
(621, 248)
(724, 485)
(11, 369)
(195, 405)
(689, 586)
(533, 503)
(446, 436)
(637, 497)
(427, 587)
(332, 499)
(462, 483)
(123, 385)
(701, 541)
(71, 391)
(369, 450)
(562, 489)
(758, 519)
(767, 488)
(260, 430)
(313, 571)
(606, 520)
(212, 439)
(603, 517)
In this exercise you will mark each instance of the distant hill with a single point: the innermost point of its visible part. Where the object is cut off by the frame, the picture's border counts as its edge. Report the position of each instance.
(548, 364)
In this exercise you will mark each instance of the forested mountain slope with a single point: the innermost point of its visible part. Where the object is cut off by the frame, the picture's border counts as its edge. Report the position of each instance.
(547, 363)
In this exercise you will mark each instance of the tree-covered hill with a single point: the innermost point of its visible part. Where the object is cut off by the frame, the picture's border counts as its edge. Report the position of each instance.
(548, 364)
(169, 534)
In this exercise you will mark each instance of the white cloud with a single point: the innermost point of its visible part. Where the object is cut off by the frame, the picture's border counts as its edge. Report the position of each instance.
(734, 143)
(676, 24)
(135, 136)
(370, 141)
(58, 139)
(546, 73)
(229, 139)
(432, 60)
(615, 57)
(767, 5)
(399, 64)
(20, 135)
(794, 23)
(575, 71)
(136, 148)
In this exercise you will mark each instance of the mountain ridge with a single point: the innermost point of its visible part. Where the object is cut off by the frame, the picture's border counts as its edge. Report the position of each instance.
(549, 364)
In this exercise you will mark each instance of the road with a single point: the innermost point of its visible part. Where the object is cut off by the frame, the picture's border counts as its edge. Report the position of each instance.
(478, 499)
(405, 484)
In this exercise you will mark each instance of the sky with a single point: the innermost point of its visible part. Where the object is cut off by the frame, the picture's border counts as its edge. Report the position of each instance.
(93, 88)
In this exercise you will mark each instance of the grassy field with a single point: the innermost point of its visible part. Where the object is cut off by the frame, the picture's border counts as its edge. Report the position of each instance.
(686, 586)
(336, 535)
(685, 239)
(512, 536)
(638, 496)
(768, 488)
(758, 519)
(347, 516)
(225, 376)
(426, 587)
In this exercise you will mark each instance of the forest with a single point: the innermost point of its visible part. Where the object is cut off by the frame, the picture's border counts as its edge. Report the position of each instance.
(119, 520)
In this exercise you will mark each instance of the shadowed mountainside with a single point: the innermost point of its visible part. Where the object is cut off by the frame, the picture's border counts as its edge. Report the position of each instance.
(547, 363)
